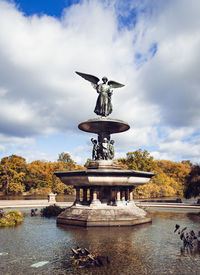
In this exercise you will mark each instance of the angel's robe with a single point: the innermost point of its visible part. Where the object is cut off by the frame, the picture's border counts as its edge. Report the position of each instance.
(103, 104)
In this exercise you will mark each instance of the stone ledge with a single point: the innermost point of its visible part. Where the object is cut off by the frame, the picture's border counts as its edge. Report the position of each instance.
(127, 215)
(104, 124)
(104, 223)
(103, 164)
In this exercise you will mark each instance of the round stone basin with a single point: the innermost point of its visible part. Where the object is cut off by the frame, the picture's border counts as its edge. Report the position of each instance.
(108, 125)
(104, 177)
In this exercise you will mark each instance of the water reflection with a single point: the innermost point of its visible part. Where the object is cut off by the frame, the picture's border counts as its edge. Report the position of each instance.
(143, 249)
(194, 217)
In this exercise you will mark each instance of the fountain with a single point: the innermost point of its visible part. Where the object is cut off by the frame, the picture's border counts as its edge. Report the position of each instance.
(104, 191)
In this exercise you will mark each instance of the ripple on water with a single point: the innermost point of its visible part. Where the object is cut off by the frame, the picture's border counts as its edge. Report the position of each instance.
(145, 249)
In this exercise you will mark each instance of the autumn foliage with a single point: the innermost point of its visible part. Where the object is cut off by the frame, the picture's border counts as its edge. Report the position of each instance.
(171, 179)
(17, 176)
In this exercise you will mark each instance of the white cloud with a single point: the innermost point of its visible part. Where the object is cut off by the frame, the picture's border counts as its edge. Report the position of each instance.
(41, 95)
(170, 79)
(34, 155)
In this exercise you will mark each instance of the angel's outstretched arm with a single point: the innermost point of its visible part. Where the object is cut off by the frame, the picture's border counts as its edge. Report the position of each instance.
(95, 86)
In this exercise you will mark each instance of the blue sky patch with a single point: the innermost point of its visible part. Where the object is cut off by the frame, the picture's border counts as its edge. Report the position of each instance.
(153, 49)
(129, 21)
(49, 7)
(141, 58)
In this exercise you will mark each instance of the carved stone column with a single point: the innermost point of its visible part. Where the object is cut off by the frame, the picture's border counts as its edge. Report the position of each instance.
(94, 195)
(118, 195)
(126, 194)
(131, 194)
(85, 195)
(118, 201)
(77, 201)
(95, 199)
(123, 195)
(91, 195)
(113, 196)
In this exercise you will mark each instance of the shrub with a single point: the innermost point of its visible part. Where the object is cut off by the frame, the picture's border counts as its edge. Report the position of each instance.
(11, 218)
(51, 211)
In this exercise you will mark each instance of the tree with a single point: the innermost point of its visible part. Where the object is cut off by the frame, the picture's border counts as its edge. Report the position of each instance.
(177, 172)
(192, 188)
(138, 160)
(169, 179)
(39, 176)
(12, 174)
(66, 158)
(64, 163)
(59, 187)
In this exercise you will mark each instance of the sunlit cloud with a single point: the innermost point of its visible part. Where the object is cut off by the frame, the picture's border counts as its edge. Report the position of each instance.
(150, 46)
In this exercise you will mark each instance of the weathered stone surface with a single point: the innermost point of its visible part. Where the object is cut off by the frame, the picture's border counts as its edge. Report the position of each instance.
(103, 164)
(102, 124)
(104, 215)
(110, 202)
(104, 177)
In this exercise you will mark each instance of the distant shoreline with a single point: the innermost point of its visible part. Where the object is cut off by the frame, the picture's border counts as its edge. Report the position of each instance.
(5, 204)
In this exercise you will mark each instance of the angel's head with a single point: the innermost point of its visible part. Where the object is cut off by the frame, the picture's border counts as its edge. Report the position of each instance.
(105, 79)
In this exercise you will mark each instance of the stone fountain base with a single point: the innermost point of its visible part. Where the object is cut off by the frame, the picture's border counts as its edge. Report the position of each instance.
(104, 196)
(126, 214)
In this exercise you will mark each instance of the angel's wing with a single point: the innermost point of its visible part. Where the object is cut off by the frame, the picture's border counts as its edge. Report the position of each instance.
(114, 84)
(93, 79)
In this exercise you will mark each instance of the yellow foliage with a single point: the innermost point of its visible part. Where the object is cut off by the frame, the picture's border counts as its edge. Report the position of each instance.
(170, 177)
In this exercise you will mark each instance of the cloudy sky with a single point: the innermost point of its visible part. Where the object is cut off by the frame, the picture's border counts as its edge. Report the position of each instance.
(151, 46)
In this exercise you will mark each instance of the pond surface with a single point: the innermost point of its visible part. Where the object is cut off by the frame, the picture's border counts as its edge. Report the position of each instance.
(143, 249)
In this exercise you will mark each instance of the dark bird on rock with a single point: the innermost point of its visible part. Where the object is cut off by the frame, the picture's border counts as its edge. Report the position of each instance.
(182, 236)
(177, 226)
(183, 229)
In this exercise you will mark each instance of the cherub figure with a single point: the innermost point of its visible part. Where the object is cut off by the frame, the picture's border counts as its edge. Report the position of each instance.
(95, 151)
(103, 105)
(105, 149)
(111, 149)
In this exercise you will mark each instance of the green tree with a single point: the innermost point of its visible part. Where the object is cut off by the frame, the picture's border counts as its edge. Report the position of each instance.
(67, 160)
(59, 187)
(138, 160)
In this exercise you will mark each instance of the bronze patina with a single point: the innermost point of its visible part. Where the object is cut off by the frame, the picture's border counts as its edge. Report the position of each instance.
(103, 105)
(104, 149)
(104, 191)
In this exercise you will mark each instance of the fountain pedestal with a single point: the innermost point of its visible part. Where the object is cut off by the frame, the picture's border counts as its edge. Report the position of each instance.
(104, 196)
(104, 192)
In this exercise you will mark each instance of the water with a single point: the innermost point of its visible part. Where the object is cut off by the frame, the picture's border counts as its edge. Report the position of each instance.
(144, 249)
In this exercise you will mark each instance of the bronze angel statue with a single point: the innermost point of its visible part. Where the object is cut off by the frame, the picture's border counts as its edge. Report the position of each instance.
(103, 105)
